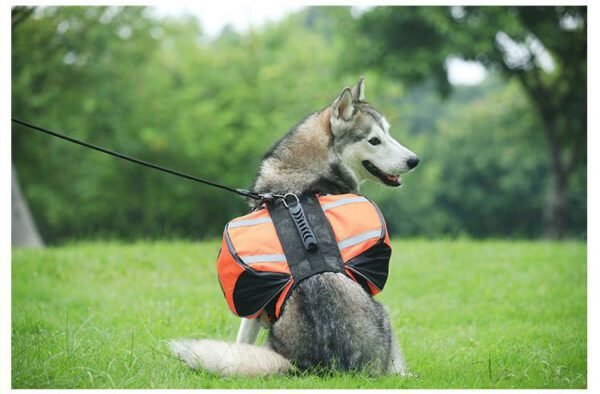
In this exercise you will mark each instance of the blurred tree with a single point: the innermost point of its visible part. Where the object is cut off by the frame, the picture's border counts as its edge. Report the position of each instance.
(156, 87)
(24, 232)
(19, 14)
(470, 185)
(544, 48)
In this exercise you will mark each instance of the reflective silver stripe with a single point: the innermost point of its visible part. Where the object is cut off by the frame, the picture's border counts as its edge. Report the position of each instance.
(249, 222)
(359, 238)
(343, 201)
(263, 258)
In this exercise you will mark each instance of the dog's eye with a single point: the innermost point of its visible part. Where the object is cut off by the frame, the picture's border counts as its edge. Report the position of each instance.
(374, 141)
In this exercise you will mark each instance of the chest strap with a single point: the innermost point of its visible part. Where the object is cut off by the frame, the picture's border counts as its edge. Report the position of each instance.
(302, 261)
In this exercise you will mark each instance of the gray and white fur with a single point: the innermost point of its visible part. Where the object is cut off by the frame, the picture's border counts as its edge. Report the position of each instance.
(329, 322)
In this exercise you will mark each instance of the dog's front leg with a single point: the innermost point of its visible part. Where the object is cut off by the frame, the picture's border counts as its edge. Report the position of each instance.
(398, 364)
(248, 331)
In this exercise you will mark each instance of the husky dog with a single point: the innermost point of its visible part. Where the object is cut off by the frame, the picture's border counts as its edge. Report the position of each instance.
(329, 322)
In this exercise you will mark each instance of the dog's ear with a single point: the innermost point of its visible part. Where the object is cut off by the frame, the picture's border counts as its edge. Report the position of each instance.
(358, 91)
(342, 108)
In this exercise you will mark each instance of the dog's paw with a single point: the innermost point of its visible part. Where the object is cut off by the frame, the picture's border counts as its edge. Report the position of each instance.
(408, 375)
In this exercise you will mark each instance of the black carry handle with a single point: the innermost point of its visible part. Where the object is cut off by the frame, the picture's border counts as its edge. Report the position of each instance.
(306, 233)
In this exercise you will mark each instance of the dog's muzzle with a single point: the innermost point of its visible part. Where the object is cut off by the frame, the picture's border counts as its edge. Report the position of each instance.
(390, 180)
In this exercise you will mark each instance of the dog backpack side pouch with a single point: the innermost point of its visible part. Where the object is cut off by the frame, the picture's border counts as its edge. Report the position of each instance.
(253, 269)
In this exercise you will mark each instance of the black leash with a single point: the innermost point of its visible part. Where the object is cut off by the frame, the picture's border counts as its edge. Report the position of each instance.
(241, 192)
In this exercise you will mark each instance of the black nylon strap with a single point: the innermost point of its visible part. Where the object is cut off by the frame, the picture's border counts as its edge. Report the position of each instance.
(302, 262)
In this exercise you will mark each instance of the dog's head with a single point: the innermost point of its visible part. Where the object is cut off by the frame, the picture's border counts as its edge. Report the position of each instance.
(362, 141)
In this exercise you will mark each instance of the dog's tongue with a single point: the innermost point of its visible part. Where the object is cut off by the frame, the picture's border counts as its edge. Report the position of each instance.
(392, 178)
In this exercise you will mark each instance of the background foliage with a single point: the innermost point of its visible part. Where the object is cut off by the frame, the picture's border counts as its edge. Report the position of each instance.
(158, 88)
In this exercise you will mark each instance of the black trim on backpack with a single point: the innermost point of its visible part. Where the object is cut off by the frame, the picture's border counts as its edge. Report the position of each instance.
(372, 265)
(254, 290)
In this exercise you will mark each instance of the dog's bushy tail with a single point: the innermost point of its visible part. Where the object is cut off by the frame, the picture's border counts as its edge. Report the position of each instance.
(229, 359)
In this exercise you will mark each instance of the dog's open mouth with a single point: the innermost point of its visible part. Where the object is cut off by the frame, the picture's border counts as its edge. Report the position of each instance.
(390, 180)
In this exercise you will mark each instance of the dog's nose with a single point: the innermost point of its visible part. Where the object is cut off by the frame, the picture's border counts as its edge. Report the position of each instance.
(412, 162)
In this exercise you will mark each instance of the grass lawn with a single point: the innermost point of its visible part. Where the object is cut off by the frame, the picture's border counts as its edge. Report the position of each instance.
(468, 314)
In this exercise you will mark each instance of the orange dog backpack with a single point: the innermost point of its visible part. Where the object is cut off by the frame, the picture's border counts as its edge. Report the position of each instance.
(266, 253)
